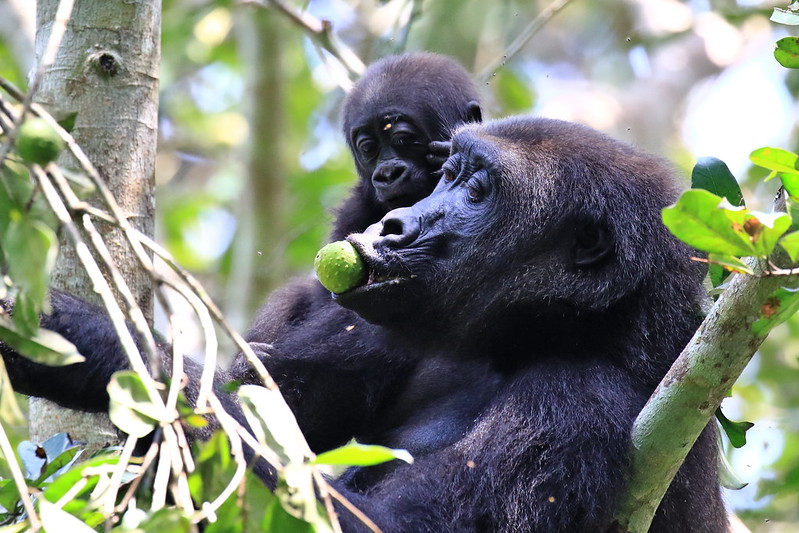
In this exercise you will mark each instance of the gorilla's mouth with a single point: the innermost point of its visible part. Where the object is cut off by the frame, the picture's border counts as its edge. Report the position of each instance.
(381, 277)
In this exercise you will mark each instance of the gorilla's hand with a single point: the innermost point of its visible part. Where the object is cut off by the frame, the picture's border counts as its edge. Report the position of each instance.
(439, 152)
(81, 385)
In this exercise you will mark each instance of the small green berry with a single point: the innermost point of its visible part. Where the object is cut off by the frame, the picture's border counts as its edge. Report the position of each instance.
(37, 142)
(339, 267)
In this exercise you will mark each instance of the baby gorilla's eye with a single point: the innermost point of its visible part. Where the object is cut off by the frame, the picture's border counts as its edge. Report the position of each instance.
(402, 139)
(366, 146)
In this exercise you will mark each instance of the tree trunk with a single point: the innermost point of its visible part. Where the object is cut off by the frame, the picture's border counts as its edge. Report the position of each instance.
(106, 71)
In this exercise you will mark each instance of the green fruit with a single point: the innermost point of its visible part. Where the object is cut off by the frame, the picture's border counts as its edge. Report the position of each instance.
(339, 267)
(37, 142)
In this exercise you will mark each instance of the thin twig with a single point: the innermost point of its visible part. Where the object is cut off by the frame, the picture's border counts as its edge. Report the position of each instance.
(518, 43)
(116, 478)
(19, 479)
(354, 510)
(320, 31)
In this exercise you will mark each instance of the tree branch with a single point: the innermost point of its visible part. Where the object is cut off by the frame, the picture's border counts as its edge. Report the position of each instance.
(699, 380)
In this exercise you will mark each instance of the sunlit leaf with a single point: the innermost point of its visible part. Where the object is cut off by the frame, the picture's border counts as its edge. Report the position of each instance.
(708, 223)
(67, 481)
(790, 243)
(55, 519)
(273, 423)
(787, 52)
(775, 159)
(131, 408)
(10, 412)
(45, 347)
(785, 16)
(356, 454)
(713, 175)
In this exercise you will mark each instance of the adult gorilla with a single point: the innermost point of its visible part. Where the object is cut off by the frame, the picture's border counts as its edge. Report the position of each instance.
(520, 317)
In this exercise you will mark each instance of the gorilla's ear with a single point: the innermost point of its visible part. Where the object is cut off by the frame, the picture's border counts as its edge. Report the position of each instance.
(473, 112)
(592, 243)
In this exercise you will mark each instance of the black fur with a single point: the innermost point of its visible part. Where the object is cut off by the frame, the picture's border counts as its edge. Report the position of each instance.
(398, 108)
(531, 304)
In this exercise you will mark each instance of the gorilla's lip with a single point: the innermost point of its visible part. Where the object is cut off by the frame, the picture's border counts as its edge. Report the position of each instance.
(379, 275)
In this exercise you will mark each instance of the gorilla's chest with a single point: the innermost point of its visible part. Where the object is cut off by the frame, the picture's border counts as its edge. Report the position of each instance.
(439, 404)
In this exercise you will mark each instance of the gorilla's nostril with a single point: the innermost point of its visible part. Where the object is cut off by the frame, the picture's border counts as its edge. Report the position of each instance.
(392, 226)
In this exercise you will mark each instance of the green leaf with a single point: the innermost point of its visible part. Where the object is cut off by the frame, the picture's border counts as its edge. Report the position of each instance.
(707, 222)
(45, 347)
(791, 184)
(355, 454)
(273, 423)
(765, 230)
(278, 519)
(26, 314)
(131, 408)
(727, 476)
(712, 175)
(778, 308)
(67, 481)
(68, 121)
(9, 496)
(167, 520)
(736, 431)
(30, 249)
(785, 16)
(787, 52)
(775, 159)
(790, 243)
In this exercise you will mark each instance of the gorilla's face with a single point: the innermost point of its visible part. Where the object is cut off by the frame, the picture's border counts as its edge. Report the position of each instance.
(484, 237)
(537, 217)
(390, 148)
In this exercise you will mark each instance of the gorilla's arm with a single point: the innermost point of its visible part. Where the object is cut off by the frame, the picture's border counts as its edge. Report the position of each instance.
(80, 386)
(334, 369)
(547, 455)
(333, 376)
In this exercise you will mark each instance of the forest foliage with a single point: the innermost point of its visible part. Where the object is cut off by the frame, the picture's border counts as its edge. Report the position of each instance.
(613, 55)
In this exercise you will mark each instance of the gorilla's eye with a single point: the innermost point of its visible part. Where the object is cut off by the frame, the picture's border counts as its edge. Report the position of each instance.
(475, 191)
(366, 146)
(402, 139)
(449, 175)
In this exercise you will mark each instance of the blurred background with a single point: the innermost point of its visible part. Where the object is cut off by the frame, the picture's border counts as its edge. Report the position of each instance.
(252, 160)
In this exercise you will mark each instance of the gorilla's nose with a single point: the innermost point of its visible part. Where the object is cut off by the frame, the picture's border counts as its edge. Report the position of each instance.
(400, 228)
(387, 173)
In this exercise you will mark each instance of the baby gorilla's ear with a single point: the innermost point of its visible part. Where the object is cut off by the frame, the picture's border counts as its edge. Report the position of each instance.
(474, 113)
(592, 244)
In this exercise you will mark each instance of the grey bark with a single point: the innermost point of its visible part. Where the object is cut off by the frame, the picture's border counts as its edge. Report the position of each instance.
(106, 70)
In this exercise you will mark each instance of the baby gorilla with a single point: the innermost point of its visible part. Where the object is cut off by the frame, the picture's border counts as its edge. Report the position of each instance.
(518, 319)
(397, 121)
